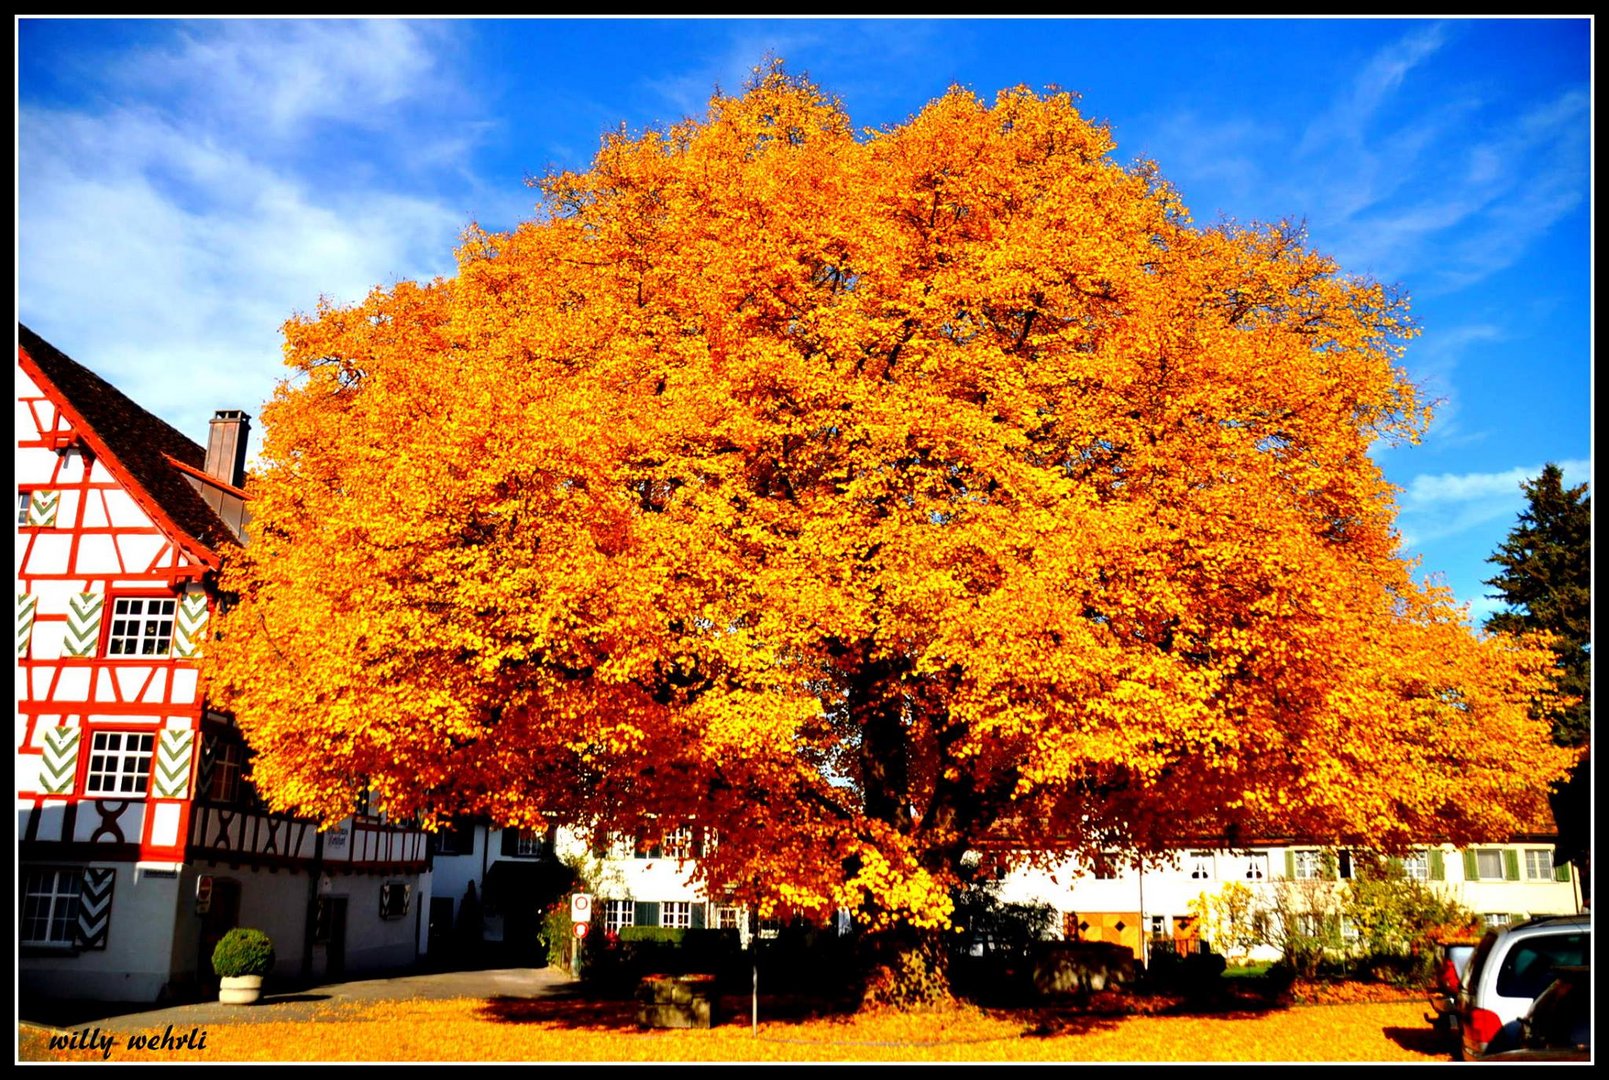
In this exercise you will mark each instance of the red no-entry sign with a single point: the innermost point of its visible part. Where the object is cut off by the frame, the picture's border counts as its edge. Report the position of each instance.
(580, 929)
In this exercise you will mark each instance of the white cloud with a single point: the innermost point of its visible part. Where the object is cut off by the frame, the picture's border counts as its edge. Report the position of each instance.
(168, 237)
(279, 76)
(1439, 506)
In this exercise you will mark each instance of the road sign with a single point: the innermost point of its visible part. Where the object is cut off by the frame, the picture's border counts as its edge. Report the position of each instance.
(580, 929)
(581, 908)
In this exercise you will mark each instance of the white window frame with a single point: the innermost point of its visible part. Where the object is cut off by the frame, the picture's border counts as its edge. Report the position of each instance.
(1201, 868)
(676, 914)
(728, 917)
(530, 842)
(619, 914)
(1256, 867)
(1416, 866)
(677, 843)
(119, 763)
(141, 626)
(1308, 864)
(1534, 871)
(1495, 871)
(49, 911)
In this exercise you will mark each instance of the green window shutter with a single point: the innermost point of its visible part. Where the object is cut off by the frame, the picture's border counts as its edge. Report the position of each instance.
(698, 916)
(27, 607)
(645, 913)
(42, 507)
(188, 623)
(1438, 866)
(1290, 864)
(1394, 866)
(1561, 871)
(511, 842)
(95, 906)
(83, 624)
(1511, 865)
(58, 766)
(171, 777)
(1471, 871)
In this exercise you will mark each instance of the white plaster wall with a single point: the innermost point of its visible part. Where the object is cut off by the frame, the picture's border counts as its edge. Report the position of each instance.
(373, 943)
(139, 944)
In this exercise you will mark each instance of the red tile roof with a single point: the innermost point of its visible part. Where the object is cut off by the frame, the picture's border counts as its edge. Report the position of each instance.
(132, 442)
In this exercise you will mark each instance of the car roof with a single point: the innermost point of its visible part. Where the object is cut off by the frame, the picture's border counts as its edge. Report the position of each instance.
(1543, 922)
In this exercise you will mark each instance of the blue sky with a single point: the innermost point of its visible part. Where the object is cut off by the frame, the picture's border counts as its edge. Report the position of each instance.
(185, 186)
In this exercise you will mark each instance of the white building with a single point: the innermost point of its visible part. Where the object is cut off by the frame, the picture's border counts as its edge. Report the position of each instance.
(1124, 902)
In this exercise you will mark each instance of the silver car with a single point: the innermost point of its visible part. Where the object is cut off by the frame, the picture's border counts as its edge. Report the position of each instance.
(1510, 968)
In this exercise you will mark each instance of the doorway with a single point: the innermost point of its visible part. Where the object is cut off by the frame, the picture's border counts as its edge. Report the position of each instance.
(329, 930)
(222, 916)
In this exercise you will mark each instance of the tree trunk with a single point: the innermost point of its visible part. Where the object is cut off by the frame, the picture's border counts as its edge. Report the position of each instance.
(905, 968)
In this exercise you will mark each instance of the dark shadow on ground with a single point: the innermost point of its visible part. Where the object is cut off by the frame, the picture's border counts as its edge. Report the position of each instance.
(577, 1008)
(74, 1013)
(1423, 1040)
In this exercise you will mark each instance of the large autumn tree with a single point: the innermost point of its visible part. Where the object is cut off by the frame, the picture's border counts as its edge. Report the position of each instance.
(871, 498)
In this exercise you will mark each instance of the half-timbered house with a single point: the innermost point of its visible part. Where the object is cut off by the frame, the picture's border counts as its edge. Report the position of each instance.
(140, 840)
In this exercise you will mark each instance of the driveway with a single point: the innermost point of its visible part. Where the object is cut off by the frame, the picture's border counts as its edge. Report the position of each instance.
(299, 1005)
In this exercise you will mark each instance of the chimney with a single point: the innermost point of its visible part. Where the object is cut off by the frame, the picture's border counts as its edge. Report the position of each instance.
(226, 446)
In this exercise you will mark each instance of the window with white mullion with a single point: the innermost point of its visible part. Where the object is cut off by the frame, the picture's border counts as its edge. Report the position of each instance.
(676, 914)
(50, 906)
(619, 914)
(141, 626)
(119, 763)
(1539, 864)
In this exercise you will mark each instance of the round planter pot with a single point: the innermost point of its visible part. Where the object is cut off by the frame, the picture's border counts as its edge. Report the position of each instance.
(240, 989)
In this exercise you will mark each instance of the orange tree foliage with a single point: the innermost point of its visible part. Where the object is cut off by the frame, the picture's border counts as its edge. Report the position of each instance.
(870, 498)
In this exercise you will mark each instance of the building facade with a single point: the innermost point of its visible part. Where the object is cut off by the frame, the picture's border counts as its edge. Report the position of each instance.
(140, 841)
(1156, 904)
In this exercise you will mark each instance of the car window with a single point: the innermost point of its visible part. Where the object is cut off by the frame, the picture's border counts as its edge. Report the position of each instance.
(1528, 967)
(1562, 1015)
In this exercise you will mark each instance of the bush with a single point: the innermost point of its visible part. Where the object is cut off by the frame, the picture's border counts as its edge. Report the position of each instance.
(1190, 973)
(617, 961)
(243, 951)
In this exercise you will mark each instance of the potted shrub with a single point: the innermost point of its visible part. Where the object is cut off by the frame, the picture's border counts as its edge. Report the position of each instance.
(241, 960)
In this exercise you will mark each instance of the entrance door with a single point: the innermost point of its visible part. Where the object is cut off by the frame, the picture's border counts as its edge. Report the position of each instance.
(222, 916)
(336, 946)
(441, 928)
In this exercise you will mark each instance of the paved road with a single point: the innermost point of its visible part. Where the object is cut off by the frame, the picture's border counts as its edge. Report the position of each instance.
(302, 1004)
